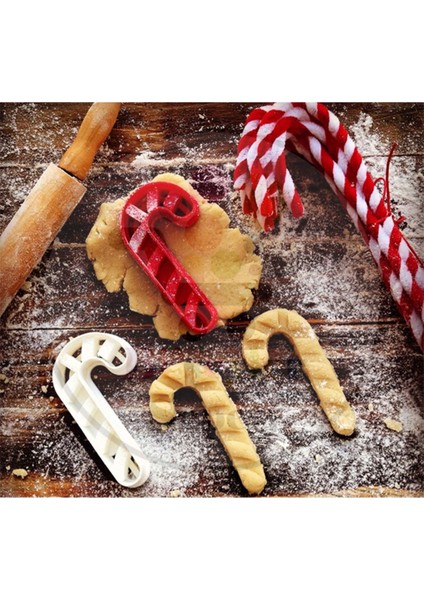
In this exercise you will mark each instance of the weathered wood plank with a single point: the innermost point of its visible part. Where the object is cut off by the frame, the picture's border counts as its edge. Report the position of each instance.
(31, 354)
(317, 265)
(321, 280)
(300, 452)
(40, 132)
(323, 217)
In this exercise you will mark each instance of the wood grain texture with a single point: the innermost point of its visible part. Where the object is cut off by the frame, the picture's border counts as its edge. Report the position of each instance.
(317, 265)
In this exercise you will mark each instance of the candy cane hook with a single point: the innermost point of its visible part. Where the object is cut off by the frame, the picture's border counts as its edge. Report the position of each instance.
(221, 410)
(316, 134)
(73, 384)
(315, 364)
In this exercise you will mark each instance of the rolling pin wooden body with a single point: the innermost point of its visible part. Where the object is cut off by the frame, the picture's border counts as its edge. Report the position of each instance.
(49, 204)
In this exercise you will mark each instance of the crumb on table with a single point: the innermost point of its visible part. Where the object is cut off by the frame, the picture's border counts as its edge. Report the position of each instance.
(393, 424)
(22, 473)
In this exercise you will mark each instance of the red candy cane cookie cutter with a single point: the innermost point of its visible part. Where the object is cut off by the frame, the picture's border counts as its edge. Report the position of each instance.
(143, 209)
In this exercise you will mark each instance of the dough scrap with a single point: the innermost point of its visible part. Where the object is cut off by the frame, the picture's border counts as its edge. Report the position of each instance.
(315, 363)
(220, 259)
(393, 424)
(22, 473)
(222, 413)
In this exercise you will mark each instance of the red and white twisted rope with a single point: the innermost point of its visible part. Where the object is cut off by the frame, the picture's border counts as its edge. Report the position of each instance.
(316, 134)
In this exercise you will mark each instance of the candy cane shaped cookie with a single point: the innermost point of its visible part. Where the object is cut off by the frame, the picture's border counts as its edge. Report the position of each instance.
(222, 413)
(73, 384)
(315, 364)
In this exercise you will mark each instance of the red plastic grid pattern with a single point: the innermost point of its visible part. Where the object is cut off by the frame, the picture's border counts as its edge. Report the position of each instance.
(144, 207)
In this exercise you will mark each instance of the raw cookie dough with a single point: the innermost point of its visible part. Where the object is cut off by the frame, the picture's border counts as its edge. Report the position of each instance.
(221, 260)
(222, 413)
(315, 363)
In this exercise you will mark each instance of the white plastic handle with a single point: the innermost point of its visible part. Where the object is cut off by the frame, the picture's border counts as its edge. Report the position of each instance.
(90, 410)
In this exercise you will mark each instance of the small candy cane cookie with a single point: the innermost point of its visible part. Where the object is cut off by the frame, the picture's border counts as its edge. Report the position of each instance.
(315, 364)
(221, 410)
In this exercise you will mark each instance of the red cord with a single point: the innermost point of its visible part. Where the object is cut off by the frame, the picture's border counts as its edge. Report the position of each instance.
(386, 190)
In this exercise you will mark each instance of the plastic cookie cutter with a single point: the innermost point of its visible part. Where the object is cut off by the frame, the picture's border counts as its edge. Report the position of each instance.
(102, 427)
(144, 207)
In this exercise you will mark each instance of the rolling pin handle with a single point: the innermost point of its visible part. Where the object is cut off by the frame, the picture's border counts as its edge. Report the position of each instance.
(94, 130)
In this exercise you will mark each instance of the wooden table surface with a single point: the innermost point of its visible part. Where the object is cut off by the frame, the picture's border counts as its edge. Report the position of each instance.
(317, 265)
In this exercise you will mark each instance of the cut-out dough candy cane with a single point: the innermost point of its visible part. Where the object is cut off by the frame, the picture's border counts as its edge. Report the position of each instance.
(104, 430)
(315, 364)
(316, 134)
(221, 410)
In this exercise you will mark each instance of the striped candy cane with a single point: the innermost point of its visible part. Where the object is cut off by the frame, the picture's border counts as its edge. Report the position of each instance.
(316, 134)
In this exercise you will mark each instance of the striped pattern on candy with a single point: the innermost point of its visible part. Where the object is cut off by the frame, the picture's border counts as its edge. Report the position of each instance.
(316, 134)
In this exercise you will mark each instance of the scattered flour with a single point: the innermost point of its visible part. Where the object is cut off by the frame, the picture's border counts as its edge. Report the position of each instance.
(406, 176)
(299, 451)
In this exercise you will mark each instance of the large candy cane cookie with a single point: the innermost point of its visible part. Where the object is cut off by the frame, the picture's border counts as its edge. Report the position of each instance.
(221, 410)
(315, 364)
(221, 260)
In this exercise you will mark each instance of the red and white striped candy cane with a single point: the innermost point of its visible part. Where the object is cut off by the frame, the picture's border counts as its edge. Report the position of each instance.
(316, 134)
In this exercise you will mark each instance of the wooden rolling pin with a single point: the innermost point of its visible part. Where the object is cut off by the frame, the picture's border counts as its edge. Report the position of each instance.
(50, 203)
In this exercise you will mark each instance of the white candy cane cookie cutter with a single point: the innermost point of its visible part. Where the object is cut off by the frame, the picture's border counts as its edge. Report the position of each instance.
(73, 384)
